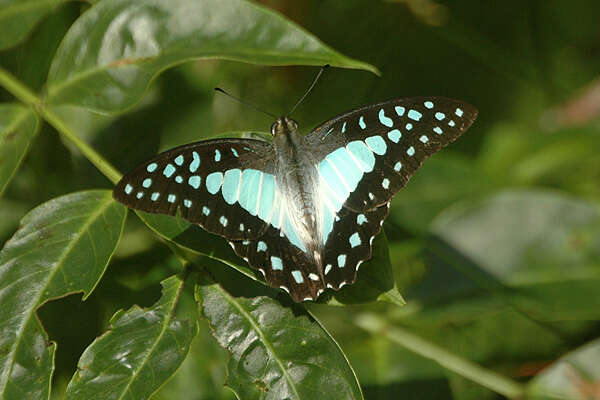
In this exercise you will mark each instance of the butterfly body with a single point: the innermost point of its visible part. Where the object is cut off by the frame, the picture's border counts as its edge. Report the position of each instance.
(303, 209)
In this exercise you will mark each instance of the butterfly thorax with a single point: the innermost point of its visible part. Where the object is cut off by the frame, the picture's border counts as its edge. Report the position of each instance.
(297, 177)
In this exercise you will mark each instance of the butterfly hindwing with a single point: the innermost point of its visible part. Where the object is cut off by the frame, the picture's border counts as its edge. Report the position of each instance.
(376, 149)
(216, 184)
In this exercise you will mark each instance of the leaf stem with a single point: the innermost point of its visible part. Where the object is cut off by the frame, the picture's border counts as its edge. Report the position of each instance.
(25, 95)
(465, 368)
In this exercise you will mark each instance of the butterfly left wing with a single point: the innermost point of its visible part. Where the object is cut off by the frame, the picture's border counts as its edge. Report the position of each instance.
(370, 153)
(226, 186)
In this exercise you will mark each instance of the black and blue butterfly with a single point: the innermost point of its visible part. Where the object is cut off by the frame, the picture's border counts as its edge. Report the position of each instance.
(303, 209)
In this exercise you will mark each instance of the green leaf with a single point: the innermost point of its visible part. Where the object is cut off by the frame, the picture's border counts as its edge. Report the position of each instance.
(112, 53)
(62, 247)
(18, 125)
(575, 376)
(276, 351)
(19, 17)
(141, 350)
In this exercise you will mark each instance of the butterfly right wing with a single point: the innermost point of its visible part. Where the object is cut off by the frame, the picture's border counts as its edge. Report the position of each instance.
(227, 186)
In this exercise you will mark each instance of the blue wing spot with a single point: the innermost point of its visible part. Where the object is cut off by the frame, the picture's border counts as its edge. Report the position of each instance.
(327, 268)
(217, 155)
(235, 153)
(231, 184)
(245, 242)
(262, 246)
(223, 221)
(409, 126)
(187, 203)
(354, 240)
(171, 198)
(195, 162)
(194, 181)
(399, 110)
(147, 183)
(213, 182)
(459, 112)
(440, 115)
(169, 170)
(451, 123)
(314, 277)
(178, 179)
(361, 122)
(341, 260)
(205, 210)
(344, 128)
(414, 115)
(398, 166)
(128, 188)
(385, 120)
(343, 162)
(267, 196)
(249, 191)
(292, 235)
(179, 160)
(438, 130)
(376, 144)
(385, 183)
(361, 152)
(428, 104)
(139, 195)
(410, 151)
(394, 135)
(297, 276)
(361, 219)
(424, 139)
(276, 263)
(155, 196)
(151, 167)
(241, 227)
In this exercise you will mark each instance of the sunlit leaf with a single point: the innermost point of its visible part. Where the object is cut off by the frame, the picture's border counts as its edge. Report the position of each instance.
(277, 352)
(18, 125)
(141, 350)
(62, 247)
(114, 50)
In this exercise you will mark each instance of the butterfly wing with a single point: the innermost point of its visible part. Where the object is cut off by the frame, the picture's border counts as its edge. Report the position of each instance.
(378, 148)
(223, 185)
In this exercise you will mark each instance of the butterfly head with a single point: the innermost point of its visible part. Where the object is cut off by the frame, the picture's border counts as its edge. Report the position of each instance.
(283, 125)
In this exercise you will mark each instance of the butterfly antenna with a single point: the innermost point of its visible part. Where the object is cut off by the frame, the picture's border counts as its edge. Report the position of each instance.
(245, 103)
(309, 89)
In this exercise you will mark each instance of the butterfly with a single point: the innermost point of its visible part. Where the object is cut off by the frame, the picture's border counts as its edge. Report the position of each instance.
(303, 209)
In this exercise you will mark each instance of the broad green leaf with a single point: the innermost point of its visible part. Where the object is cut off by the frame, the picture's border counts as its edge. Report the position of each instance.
(575, 376)
(19, 17)
(277, 352)
(63, 246)
(18, 125)
(113, 52)
(140, 351)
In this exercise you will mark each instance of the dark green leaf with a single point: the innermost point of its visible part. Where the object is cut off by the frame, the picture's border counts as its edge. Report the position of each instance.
(575, 376)
(19, 17)
(18, 125)
(277, 352)
(141, 350)
(62, 247)
(114, 50)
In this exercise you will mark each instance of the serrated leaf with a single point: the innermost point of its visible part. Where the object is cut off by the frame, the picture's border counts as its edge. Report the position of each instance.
(19, 17)
(112, 53)
(18, 125)
(62, 247)
(141, 350)
(575, 376)
(277, 352)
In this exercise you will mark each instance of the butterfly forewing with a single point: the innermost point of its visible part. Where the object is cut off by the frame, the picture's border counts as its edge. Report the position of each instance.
(380, 146)
(214, 184)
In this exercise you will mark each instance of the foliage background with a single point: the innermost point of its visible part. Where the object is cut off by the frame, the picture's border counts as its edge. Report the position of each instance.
(495, 243)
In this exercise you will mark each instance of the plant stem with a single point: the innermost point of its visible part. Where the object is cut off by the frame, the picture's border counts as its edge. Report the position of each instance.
(465, 368)
(25, 95)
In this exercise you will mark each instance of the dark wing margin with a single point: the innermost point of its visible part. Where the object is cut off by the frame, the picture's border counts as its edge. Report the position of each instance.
(177, 180)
